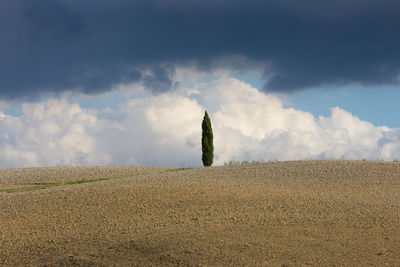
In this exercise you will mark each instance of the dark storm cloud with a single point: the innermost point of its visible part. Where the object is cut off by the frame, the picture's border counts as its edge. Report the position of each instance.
(159, 81)
(57, 45)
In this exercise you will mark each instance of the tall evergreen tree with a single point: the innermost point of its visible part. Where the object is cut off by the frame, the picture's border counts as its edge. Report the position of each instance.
(207, 145)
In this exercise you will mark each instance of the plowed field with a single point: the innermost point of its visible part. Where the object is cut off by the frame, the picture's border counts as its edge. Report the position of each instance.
(277, 214)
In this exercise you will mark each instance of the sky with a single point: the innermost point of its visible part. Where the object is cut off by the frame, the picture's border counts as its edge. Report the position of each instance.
(101, 82)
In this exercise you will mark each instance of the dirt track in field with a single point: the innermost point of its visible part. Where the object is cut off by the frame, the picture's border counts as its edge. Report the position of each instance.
(277, 214)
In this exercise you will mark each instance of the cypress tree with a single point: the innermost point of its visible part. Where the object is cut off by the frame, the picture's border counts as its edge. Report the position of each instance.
(207, 145)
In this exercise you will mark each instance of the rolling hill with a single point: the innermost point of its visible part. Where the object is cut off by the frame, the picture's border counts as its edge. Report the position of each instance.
(276, 214)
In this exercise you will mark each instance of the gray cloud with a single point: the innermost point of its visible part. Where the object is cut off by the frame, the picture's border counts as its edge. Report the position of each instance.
(57, 45)
(160, 79)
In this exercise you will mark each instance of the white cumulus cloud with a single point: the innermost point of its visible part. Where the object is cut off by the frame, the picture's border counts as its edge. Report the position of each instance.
(166, 130)
(53, 132)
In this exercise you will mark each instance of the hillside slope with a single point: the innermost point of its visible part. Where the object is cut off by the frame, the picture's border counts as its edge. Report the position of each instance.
(279, 214)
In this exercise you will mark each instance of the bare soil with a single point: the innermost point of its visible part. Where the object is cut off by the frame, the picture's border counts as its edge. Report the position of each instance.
(316, 213)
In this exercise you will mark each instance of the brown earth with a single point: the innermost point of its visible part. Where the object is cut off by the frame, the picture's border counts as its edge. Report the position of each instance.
(277, 214)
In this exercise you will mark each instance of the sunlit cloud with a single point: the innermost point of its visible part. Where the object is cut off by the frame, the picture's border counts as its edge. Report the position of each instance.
(165, 129)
